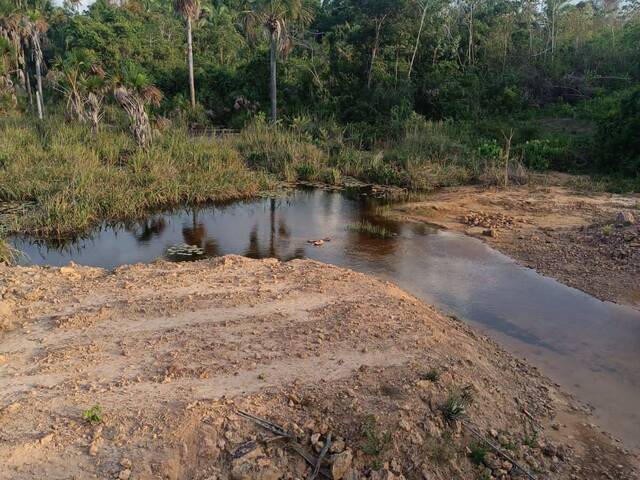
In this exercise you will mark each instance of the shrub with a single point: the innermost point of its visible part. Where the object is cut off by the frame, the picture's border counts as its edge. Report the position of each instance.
(539, 154)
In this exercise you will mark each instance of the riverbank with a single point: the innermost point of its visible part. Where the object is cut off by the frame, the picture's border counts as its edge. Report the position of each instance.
(59, 180)
(587, 240)
(170, 353)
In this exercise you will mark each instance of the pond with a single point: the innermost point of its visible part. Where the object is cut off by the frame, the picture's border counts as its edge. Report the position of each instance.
(590, 347)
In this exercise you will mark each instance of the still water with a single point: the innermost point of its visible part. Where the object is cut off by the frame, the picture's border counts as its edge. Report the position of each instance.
(591, 348)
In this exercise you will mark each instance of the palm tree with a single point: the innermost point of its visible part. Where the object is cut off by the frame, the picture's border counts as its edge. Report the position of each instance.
(277, 20)
(190, 10)
(134, 92)
(35, 26)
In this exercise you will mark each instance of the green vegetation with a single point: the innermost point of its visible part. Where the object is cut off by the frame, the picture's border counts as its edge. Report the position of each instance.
(456, 404)
(99, 107)
(93, 415)
(79, 179)
(477, 454)
(442, 450)
(8, 254)
(374, 441)
(607, 230)
(432, 375)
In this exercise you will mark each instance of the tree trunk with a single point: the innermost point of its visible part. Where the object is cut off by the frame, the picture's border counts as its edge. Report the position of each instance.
(470, 54)
(39, 98)
(374, 52)
(28, 85)
(39, 105)
(415, 49)
(273, 88)
(192, 83)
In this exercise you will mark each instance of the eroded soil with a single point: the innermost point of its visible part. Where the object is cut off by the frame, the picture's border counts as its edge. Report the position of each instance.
(568, 235)
(171, 352)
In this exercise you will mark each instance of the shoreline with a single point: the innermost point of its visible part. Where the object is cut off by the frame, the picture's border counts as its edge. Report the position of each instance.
(569, 236)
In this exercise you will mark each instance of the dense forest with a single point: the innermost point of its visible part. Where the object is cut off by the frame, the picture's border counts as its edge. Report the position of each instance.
(416, 93)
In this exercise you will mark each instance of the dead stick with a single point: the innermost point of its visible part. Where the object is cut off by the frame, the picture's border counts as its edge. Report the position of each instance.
(323, 452)
(497, 449)
(311, 460)
(282, 433)
(266, 424)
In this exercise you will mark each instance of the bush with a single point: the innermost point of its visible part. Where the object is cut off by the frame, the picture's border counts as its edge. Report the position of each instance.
(539, 154)
(618, 138)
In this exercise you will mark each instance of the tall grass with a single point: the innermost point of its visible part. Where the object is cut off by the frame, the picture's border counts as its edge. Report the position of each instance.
(78, 179)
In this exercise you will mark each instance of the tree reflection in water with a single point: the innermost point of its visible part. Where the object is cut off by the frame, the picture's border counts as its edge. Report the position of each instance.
(196, 234)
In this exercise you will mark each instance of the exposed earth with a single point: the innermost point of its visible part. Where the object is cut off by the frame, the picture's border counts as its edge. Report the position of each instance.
(141, 373)
(590, 241)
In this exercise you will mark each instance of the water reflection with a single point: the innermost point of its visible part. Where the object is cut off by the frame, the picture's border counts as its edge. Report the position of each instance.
(592, 348)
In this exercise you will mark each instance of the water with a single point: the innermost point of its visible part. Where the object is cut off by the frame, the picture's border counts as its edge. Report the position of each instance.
(591, 348)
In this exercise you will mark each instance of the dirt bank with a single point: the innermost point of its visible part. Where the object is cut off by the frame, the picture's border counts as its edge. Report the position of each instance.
(571, 236)
(170, 352)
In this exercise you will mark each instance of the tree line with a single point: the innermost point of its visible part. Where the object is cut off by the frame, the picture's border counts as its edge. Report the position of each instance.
(356, 62)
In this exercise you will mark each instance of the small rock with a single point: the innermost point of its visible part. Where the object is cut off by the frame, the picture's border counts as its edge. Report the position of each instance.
(124, 474)
(46, 439)
(404, 425)
(489, 232)
(337, 446)
(341, 463)
(249, 471)
(351, 474)
(94, 446)
(625, 219)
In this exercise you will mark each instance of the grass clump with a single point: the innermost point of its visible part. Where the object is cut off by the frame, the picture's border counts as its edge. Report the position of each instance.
(375, 441)
(456, 404)
(8, 254)
(93, 415)
(442, 450)
(477, 453)
(369, 228)
(432, 375)
(607, 230)
(78, 179)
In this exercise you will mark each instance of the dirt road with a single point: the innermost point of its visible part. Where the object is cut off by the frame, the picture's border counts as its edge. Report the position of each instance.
(574, 237)
(167, 353)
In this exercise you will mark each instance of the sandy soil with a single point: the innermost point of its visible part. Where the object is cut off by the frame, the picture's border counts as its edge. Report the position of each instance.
(561, 233)
(171, 352)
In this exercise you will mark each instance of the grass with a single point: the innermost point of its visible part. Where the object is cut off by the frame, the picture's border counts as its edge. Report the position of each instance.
(93, 415)
(456, 404)
(8, 254)
(531, 439)
(477, 453)
(73, 179)
(432, 375)
(375, 441)
(443, 450)
(79, 180)
(369, 228)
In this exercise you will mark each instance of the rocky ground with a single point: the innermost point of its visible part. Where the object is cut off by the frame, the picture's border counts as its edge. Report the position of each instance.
(587, 241)
(144, 372)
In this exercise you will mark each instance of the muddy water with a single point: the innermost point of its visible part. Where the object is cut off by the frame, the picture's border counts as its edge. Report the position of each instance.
(591, 348)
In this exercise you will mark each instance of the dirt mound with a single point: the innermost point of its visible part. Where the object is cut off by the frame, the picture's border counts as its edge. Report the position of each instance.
(142, 373)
